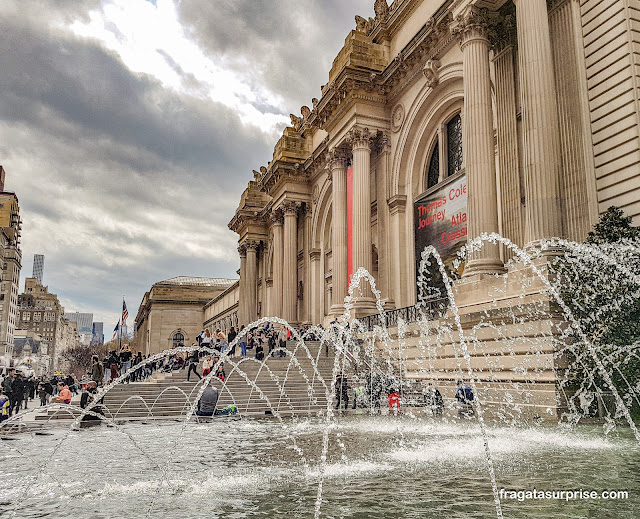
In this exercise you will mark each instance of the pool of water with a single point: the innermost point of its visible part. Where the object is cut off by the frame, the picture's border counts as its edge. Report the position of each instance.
(377, 467)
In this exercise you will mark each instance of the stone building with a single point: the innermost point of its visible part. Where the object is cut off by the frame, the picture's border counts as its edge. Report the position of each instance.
(530, 105)
(11, 257)
(172, 312)
(40, 311)
(442, 120)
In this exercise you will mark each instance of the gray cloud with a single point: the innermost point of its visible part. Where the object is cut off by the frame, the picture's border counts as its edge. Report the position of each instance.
(288, 46)
(122, 182)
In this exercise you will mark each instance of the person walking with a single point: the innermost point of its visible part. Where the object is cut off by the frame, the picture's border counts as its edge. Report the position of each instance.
(230, 338)
(194, 359)
(243, 341)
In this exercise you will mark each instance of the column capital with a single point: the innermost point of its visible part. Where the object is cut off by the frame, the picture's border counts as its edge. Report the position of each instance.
(337, 159)
(290, 207)
(360, 138)
(242, 250)
(276, 217)
(252, 245)
(315, 254)
(474, 23)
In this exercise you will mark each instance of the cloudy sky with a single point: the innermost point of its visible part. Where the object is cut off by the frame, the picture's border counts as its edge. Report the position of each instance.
(129, 129)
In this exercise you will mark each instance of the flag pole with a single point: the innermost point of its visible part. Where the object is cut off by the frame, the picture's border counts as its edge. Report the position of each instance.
(121, 324)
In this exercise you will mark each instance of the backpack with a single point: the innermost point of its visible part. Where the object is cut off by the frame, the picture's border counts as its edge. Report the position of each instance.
(468, 394)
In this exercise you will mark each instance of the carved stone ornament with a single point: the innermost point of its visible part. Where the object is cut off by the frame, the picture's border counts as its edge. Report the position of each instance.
(296, 121)
(360, 137)
(381, 8)
(263, 170)
(242, 250)
(397, 117)
(276, 217)
(289, 207)
(472, 23)
(363, 25)
(337, 158)
(305, 111)
(257, 176)
(430, 71)
(252, 245)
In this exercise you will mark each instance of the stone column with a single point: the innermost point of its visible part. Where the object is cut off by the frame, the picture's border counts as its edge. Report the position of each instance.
(384, 264)
(539, 122)
(316, 285)
(398, 250)
(360, 139)
(508, 159)
(482, 196)
(242, 296)
(338, 162)
(306, 286)
(252, 279)
(290, 263)
(276, 289)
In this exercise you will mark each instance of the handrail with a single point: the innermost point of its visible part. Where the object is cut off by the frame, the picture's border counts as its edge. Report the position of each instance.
(409, 314)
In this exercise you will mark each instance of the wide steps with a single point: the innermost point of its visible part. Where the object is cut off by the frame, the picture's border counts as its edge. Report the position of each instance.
(170, 395)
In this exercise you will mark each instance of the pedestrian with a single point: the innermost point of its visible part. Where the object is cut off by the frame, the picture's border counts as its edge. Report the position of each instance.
(230, 338)
(464, 395)
(342, 391)
(5, 403)
(243, 342)
(207, 364)
(220, 373)
(194, 359)
(42, 393)
(97, 370)
(433, 400)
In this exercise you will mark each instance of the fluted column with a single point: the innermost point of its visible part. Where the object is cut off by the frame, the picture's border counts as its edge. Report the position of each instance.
(360, 139)
(338, 163)
(242, 296)
(276, 289)
(290, 263)
(539, 122)
(482, 197)
(252, 279)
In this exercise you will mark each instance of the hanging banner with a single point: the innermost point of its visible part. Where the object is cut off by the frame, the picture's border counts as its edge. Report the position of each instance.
(440, 219)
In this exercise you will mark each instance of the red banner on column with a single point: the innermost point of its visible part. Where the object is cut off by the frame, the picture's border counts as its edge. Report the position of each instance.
(349, 223)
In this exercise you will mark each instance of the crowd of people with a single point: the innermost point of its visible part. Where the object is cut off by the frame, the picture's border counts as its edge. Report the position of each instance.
(368, 390)
(17, 389)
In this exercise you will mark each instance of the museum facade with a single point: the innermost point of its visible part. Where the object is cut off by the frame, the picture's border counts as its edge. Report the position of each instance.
(441, 121)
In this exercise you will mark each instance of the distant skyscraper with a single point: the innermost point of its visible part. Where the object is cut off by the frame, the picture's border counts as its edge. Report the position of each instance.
(84, 321)
(38, 267)
(98, 333)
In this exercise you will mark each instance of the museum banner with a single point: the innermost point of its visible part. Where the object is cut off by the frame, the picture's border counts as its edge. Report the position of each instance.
(440, 218)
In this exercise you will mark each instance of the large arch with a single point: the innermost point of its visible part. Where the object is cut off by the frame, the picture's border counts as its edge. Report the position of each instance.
(430, 107)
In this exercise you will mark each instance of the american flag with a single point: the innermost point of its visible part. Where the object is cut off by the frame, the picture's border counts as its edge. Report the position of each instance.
(125, 312)
(115, 331)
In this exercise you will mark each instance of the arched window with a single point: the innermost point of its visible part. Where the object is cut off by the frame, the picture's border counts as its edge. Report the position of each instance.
(446, 156)
(433, 173)
(178, 340)
(454, 145)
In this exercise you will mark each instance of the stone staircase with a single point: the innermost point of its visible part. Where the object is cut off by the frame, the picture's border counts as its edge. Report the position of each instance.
(169, 395)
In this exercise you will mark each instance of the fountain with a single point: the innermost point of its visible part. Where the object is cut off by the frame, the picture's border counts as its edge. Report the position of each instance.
(555, 409)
